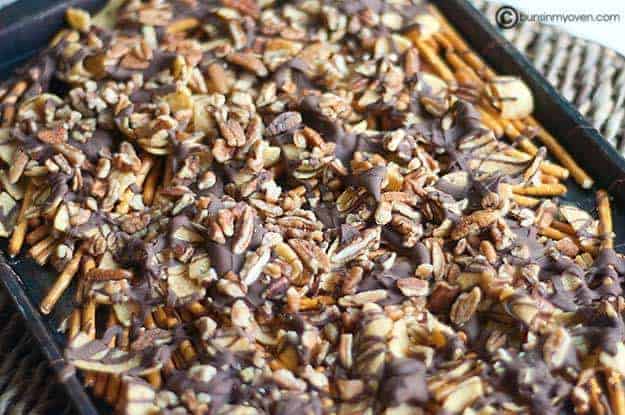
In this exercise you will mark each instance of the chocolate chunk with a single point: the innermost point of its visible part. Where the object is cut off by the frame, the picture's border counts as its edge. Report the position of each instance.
(101, 142)
(329, 216)
(371, 180)
(287, 121)
(404, 383)
(195, 167)
(348, 233)
(223, 259)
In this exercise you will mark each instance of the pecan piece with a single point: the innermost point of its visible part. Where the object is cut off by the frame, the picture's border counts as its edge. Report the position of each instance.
(56, 135)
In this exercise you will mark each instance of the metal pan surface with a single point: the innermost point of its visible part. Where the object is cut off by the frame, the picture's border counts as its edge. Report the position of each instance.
(26, 26)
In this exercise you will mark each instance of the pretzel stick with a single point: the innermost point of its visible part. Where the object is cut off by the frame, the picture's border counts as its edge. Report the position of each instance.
(510, 130)
(605, 219)
(161, 320)
(187, 351)
(149, 188)
(19, 232)
(458, 43)
(521, 127)
(442, 41)
(555, 170)
(185, 315)
(563, 227)
(171, 320)
(42, 257)
(524, 143)
(580, 176)
(437, 63)
(102, 378)
(40, 247)
(159, 316)
(462, 67)
(548, 179)
(37, 234)
(88, 326)
(595, 393)
(526, 201)
(431, 43)
(88, 318)
(541, 190)
(196, 308)
(74, 324)
(61, 283)
(182, 25)
(62, 34)
(124, 201)
(551, 233)
(491, 123)
(114, 385)
(465, 74)
(146, 168)
(470, 57)
(490, 117)
(616, 392)
(555, 149)
(516, 136)
(88, 264)
(10, 101)
(167, 177)
(545, 166)
(154, 378)
(122, 204)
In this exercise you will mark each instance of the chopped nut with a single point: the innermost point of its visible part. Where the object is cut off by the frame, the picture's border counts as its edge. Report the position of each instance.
(306, 207)
(474, 223)
(413, 287)
(463, 395)
(249, 62)
(54, 136)
(465, 306)
(78, 19)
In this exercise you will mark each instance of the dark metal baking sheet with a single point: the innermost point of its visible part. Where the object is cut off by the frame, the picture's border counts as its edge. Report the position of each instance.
(18, 277)
(26, 26)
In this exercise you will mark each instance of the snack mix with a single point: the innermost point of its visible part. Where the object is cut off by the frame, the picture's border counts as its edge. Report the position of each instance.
(306, 207)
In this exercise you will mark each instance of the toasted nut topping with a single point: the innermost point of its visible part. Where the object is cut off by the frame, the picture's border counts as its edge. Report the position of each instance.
(307, 207)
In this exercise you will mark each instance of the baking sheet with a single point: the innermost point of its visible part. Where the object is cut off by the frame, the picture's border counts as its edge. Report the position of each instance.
(22, 34)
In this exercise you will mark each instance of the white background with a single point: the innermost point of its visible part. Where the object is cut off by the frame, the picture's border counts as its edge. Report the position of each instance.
(609, 34)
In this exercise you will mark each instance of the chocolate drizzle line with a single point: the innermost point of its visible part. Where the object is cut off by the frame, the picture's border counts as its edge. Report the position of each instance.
(283, 208)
